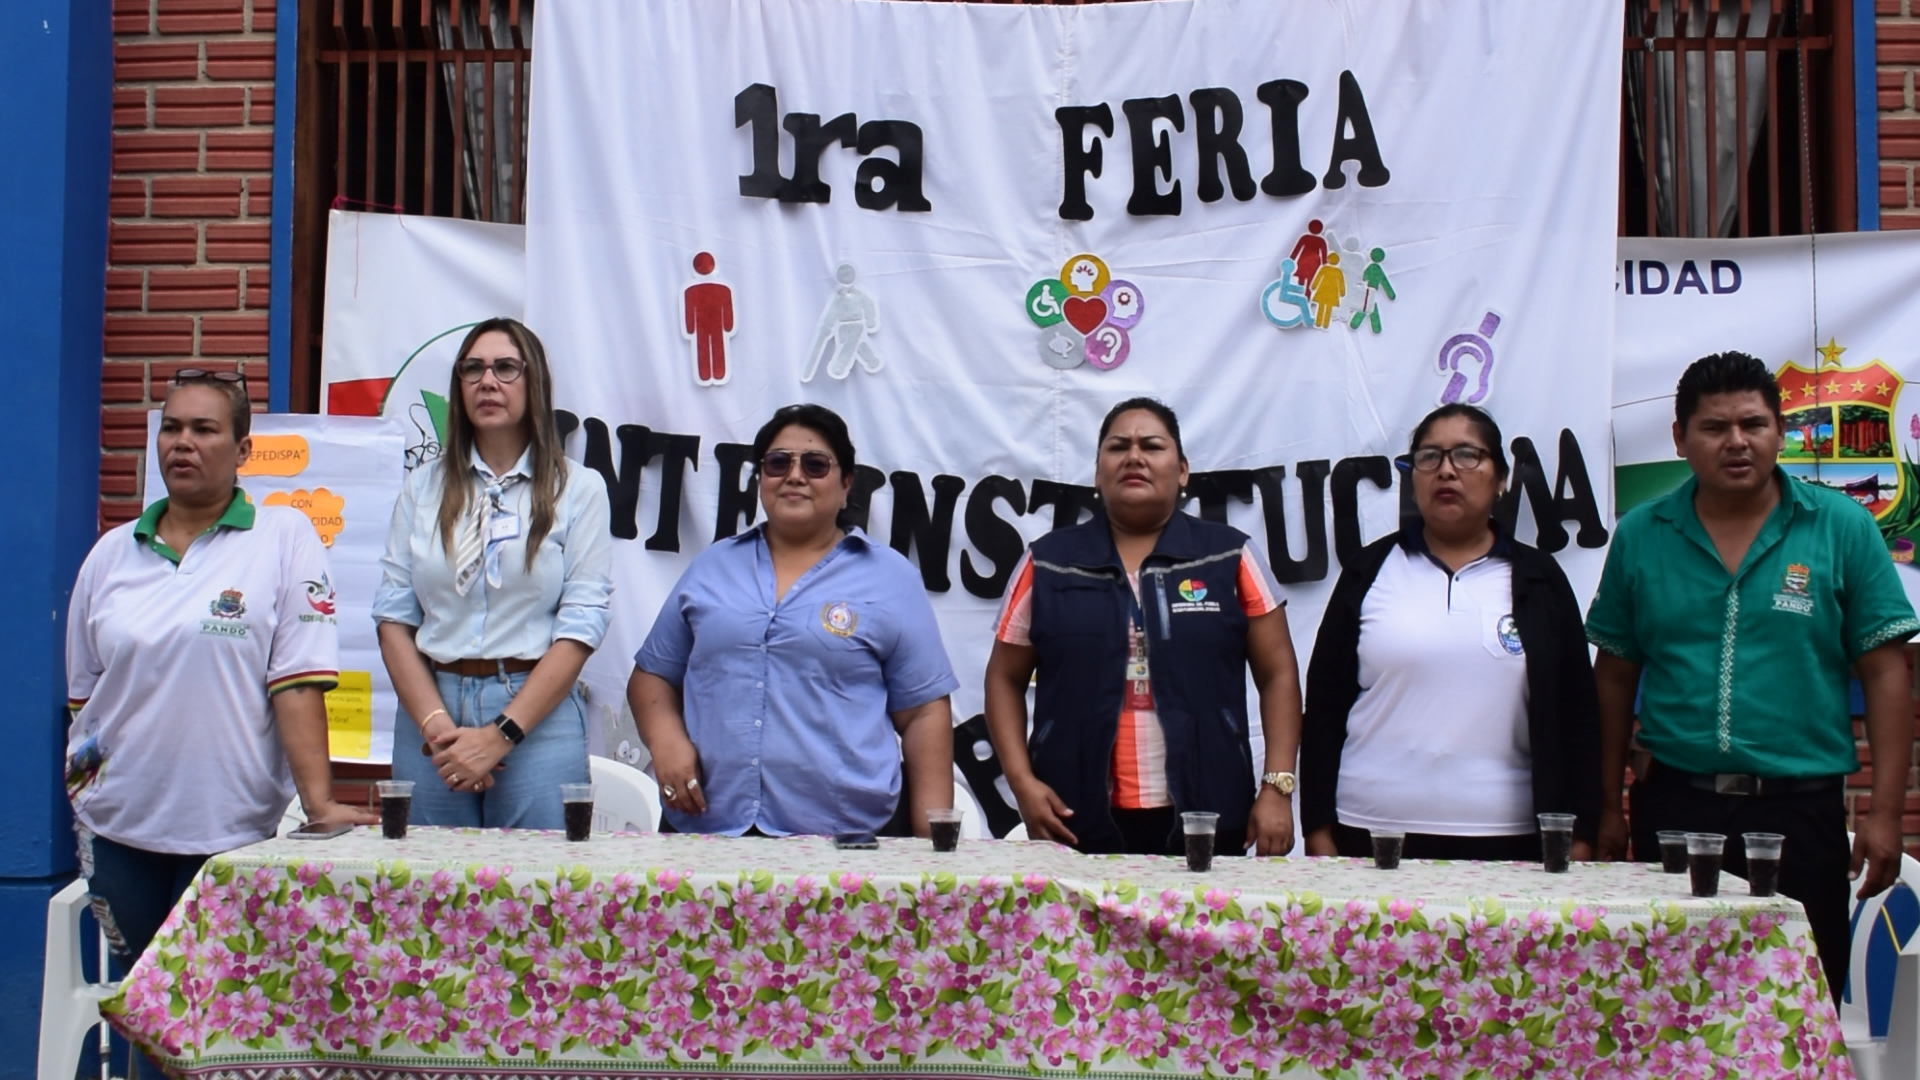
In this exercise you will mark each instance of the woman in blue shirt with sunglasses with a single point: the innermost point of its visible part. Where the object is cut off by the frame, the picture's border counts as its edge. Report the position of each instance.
(794, 666)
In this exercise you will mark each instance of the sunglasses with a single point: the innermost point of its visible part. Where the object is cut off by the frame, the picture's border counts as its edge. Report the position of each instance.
(506, 369)
(814, 465)
(198, 375)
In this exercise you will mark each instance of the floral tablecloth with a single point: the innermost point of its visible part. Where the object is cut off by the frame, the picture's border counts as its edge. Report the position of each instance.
(502, 953)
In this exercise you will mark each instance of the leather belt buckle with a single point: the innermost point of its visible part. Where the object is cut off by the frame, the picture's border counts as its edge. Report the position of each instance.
(1736, 784)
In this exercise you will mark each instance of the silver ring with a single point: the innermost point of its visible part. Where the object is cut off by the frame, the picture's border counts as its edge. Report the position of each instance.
(667, 790)
(693, 783)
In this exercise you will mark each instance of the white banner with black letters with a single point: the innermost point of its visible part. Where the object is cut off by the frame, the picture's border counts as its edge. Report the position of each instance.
(971, 229)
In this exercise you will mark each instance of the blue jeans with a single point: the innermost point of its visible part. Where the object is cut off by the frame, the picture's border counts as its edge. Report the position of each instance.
(526, 793)
(131, 892)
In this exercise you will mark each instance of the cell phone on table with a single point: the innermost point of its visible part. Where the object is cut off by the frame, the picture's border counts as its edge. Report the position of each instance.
(856, 842)
(320, 830)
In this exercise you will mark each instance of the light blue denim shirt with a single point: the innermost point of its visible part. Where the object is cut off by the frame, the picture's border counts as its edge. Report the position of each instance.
(788, 702)
(564, 596)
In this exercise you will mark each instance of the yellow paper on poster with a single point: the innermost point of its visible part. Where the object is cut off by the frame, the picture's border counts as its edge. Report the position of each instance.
(350, 716)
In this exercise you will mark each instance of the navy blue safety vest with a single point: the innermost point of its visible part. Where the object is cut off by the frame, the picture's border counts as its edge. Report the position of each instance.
(1196, 660)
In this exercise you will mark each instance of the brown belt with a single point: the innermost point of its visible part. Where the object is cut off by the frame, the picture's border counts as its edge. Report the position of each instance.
(481, 668)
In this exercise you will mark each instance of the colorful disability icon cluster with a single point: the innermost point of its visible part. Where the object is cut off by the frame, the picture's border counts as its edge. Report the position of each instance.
(1084, 315)
(1313, 283)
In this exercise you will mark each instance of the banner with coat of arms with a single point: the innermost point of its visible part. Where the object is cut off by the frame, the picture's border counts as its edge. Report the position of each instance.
(1832, 316)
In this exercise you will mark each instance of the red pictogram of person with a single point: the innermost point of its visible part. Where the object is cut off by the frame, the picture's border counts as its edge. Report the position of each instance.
(1308, 253)
(709, 322)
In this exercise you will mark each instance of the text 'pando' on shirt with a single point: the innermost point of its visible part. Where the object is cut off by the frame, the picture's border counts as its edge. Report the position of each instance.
(564, 595)
(788, 701)
(1747, 672)
(172, 660)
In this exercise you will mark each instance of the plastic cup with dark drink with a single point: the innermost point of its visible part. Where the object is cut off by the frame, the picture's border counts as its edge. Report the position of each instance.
(1556, 842)
(1387, 844)
(396, 806)
(1705, 853)
(944, 827)
(1673, 851)
(1200, 827)
(577, 801)
(1763, 862)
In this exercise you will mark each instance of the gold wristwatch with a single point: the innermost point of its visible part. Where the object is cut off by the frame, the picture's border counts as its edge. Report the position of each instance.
(1283, 782)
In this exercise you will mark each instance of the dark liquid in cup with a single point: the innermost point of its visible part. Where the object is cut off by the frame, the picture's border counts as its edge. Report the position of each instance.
(394, 811)
(1556, 850)
(1763, 876)
(1706, 874)
(1673, 857)
(1386, 852)
(946, 835)
(579, 820)
(1199, 852)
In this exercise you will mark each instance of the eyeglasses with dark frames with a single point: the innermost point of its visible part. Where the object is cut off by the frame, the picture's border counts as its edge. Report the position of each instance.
(814, 464)
(1464, 458)
(506, 369)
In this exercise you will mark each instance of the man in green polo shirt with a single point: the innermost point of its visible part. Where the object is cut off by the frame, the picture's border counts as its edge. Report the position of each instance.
(1735, 606)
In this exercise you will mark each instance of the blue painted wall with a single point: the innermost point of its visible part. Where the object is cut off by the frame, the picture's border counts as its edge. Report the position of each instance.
(56, 80)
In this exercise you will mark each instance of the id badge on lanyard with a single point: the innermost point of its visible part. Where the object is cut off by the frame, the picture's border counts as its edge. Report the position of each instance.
(1139, 693)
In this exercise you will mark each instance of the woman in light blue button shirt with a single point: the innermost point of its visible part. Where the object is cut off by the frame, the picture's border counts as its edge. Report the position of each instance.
(795, 666)
(497, 577)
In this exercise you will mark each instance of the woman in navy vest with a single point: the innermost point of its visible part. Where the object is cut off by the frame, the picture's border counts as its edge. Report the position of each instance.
(1141, 624)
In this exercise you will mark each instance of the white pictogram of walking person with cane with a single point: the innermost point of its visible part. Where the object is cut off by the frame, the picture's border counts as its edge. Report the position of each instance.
(849, 319)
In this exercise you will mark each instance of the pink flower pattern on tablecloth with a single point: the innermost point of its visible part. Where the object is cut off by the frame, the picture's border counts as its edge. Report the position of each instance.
(519, 953)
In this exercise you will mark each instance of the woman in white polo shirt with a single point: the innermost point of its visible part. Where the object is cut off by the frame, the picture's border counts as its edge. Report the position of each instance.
(200, 644)
(1450, 695)
(495, 588)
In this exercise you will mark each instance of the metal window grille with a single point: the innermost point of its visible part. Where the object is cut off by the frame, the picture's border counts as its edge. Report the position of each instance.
(1736, 120)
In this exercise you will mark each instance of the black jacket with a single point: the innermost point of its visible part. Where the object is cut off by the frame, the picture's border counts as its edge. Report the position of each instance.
(1563, 710)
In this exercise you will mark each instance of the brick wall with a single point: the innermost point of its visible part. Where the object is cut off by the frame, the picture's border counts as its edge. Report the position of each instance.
(1897, 61)
(1897, 68)
(187, 244)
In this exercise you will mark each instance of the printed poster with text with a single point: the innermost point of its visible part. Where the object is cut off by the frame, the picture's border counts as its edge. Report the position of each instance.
(972, 228)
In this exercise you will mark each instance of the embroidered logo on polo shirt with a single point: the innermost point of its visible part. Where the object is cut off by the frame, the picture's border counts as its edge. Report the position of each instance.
(1509, 634)
(1793, 595)
(320, 598)
(838, 619)
(230, 605)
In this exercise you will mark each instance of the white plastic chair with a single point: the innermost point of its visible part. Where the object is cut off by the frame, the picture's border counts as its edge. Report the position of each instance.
(624, 798)
(1018, 832)
(292, 819)
(974, 825)
(69, 1004)
(1896, 1054)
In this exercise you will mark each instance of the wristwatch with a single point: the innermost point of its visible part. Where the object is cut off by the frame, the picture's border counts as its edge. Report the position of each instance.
(1283, 782)
(509, 729)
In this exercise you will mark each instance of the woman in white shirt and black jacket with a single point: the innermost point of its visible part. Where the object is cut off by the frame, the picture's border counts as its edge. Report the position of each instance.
(1450, 695)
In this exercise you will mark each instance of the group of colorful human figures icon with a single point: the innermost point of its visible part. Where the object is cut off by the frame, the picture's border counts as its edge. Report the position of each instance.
(1312, 284)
